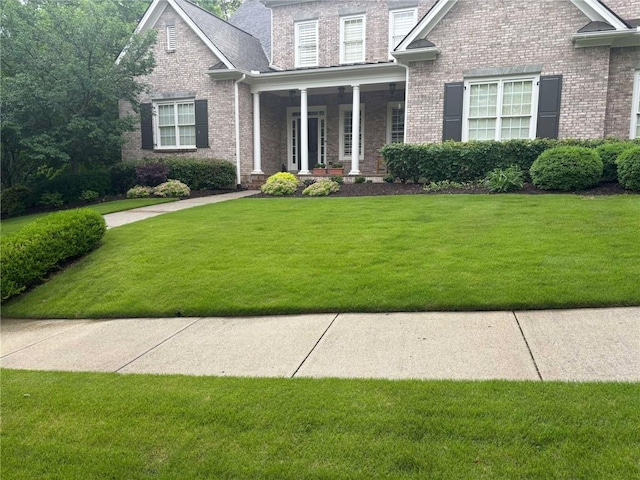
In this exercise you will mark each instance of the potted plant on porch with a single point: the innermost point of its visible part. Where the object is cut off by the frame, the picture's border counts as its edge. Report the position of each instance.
(336, 169)
(319, 169)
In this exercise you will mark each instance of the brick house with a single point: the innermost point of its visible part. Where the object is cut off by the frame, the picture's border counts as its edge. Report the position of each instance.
(293, 83)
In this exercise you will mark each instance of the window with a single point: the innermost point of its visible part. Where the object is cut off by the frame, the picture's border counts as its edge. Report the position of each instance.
(635, 110)
(171, 38)
(400, 24)
(395, 122)
(501, 109)
(346, 140)
(175, 124)
(352, 42)
(306, 41)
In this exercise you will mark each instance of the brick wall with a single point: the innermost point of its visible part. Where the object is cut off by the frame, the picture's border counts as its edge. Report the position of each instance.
(183, 71)
(328, 15)
(494, 33)
(624, 62)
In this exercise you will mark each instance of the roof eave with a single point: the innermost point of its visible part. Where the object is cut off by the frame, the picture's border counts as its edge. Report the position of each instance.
(596, 11)
(416, 55)
(427, 23)
(225, 74)
(627, 38)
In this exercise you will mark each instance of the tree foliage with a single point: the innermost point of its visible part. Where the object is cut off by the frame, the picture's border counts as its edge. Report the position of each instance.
(221, 8)
(60, 82)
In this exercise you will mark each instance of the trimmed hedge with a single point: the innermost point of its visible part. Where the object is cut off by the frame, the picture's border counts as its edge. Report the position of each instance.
(44, 245)
(567, 169)
(609, 153)
(468, 161)
(629, 169)
(201, 174)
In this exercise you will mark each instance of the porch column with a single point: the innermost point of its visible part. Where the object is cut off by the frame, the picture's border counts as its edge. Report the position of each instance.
(304, 133)
(355, 132)
(257, 156)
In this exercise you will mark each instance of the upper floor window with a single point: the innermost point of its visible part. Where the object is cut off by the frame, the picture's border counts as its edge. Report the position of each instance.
(352, 39)
(635, 110)
(171, 38)
(400, 24)
(500, 109)
(306, 44)
(175, 124)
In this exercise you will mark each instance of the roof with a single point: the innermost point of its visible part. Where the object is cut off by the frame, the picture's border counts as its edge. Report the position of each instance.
(241, 49)
(254, 18)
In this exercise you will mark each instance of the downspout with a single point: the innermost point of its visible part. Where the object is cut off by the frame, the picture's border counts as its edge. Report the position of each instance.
(237, 119)
(406, 97)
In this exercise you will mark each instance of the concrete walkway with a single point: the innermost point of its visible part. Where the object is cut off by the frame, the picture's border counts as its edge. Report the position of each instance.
(571, 345)
(129, 216)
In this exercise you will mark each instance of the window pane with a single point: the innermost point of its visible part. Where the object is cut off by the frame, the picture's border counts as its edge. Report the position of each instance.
(515, 127)
(165, 115)
(307, 44)
(516, 98)
(348, 119)
(353, 40)
(397, 125)
(402, 24)
(482, 129)
(187, 136)
(167, 136)
(186, 114)
(483, 100)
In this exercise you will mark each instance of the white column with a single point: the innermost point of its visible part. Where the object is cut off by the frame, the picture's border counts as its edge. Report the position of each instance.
(355, 132)
(304, 133)
(257, 155)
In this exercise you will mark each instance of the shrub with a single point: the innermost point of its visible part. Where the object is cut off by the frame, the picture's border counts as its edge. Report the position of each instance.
(389, 178)
(123, 177)
(359, 179)
(202, 174)
(503, 180)
(629, 169)
(71, 185)
(139, 192)
(283, 176)
(308, 181)
(151, 174)
(339, 179)
(44, 245)
(279, 187)
(609, 153)
(15, 200)
(89, 195)
(448, 185)
(172, 188)
(566, 169)
(49, 199)
(321, 188)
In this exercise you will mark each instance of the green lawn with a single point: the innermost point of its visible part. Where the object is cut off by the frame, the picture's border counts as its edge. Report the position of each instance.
(96, 426)
(405, 253)
(13, 224)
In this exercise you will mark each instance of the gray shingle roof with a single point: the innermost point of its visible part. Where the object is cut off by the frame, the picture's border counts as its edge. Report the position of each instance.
(241, 49)
(254, 18)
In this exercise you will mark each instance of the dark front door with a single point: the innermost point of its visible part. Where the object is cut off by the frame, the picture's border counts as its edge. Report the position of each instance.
(312, 124)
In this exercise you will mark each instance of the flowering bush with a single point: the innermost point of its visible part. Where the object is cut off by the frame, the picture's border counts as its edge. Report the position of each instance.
(139, 192)
(172, 188)
(283, 176)
(279, 187)
(321, 188)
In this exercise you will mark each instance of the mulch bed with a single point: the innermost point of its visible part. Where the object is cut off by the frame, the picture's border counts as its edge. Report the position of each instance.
(378, 189)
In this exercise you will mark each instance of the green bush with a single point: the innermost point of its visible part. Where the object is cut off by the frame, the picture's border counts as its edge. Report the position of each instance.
(54, 200)
(44, 245)
(279, 184)
(89, 195)
(152, 173)
(502, 180)
(70, 186)
(139, 191)
(322, 188)
(283, 176)
(629, 169)
(15, 200)
(389, 178)
(172, 188)
(609, 153)
(339, 179)
(123, 177)
(202, 174)
(448, 185)
(567, 169)
(359, 179)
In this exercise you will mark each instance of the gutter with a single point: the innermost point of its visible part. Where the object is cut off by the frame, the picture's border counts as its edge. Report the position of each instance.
(237, 120)
(610, 38)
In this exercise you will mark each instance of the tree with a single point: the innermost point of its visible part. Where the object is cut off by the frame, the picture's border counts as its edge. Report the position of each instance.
(221, 8)
(60, 83)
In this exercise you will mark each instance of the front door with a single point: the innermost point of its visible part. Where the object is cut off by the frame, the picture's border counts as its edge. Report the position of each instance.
(316, 133)
(312, 128)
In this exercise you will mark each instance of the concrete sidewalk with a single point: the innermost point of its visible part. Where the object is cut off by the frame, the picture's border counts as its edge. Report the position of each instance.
(572, 345)
(129, 216)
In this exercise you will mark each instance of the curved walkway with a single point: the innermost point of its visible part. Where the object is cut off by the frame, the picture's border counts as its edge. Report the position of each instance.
(566, 345)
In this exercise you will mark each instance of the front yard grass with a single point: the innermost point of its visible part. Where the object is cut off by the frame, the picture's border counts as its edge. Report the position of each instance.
(95, 426)
(405, 253)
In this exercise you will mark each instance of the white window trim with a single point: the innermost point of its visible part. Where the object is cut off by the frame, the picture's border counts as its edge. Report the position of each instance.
(297, 43)
(319, 112)
(156, 125)
(635, 108)
(171, 38)
(364, 38)
(348, 108)
(390, 107)
(392, 14)
(500, 80)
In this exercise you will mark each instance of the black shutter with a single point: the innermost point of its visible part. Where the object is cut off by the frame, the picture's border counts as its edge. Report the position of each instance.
(202, 124)
(452, 124)
(549, 106)
(146, 126)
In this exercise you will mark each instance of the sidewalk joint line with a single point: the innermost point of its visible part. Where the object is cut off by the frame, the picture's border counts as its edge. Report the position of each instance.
(535, 364)
(156, 346)
(314, 347)
(49, 338)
